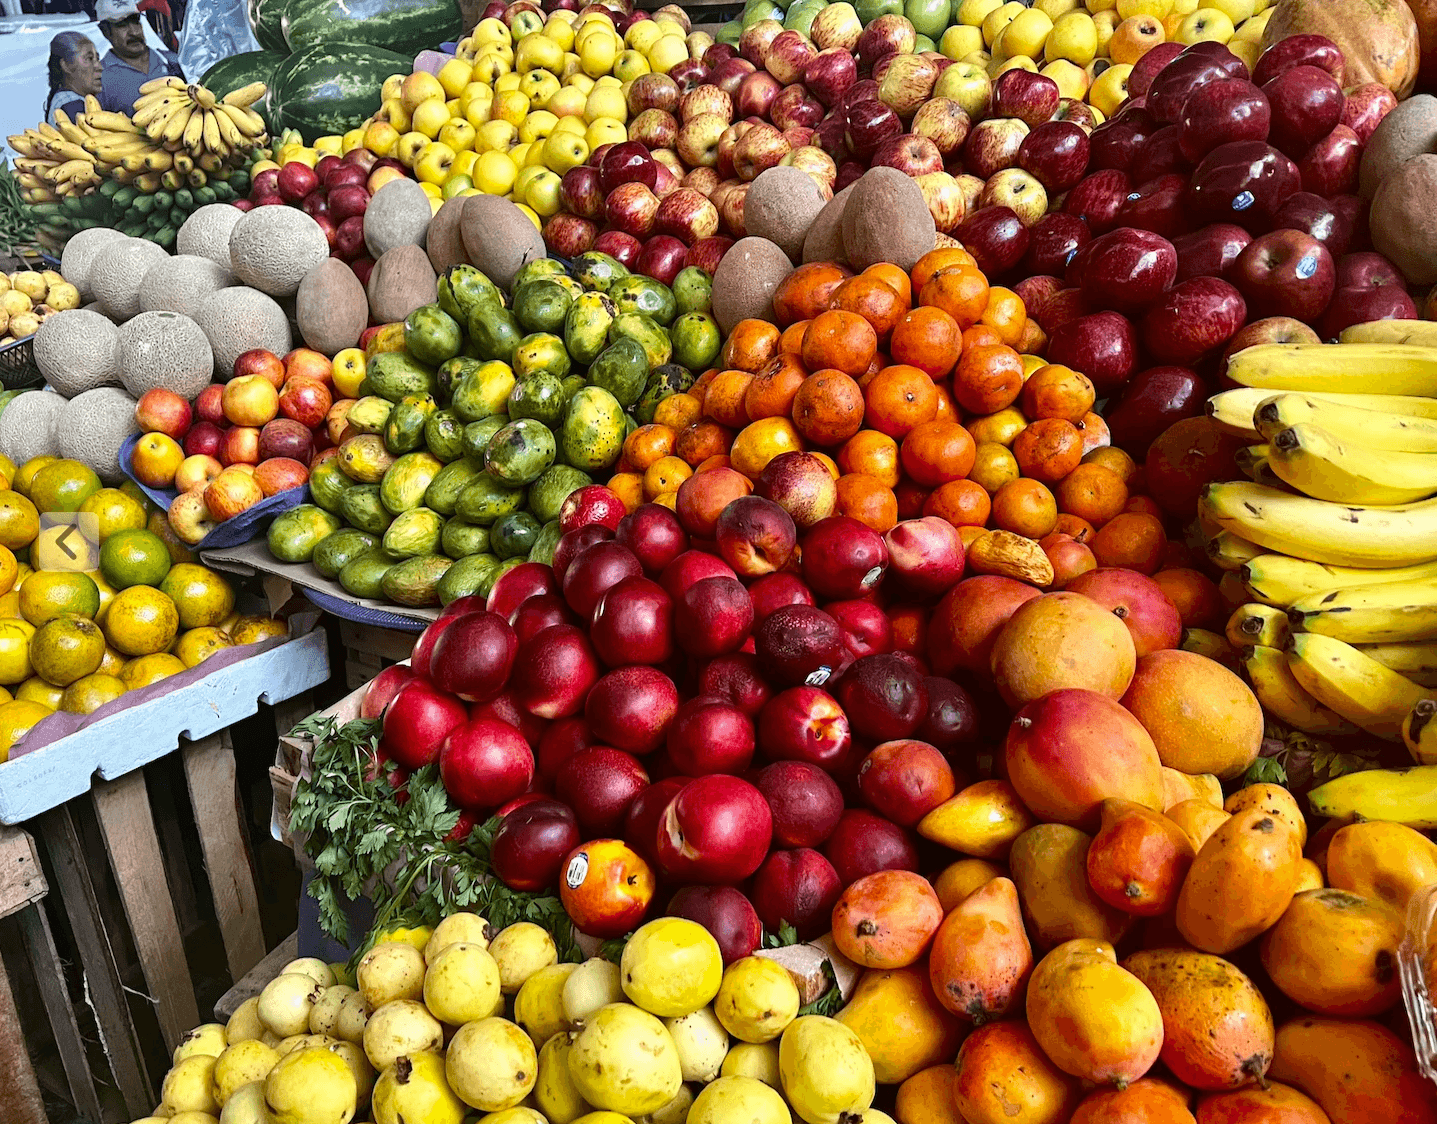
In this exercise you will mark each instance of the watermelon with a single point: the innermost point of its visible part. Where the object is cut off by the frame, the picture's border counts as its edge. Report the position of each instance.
(264, 21)
(407, 26)
(240, 70)
(330, 88)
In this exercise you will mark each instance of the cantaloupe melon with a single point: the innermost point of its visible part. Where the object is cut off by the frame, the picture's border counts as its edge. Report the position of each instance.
(29, 427)
(92, 428)
(116, 273)
(398, 215)
(206, 233)
(178, 284)
(240, 318)
(165, 349)
(75, 351)
(272, 248)
(80, 253)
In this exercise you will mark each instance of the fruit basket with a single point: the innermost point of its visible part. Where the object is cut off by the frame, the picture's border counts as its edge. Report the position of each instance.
(1418, 959)
(17, 365)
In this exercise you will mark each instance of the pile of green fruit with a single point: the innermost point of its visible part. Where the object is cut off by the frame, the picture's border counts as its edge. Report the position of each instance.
(465, 444)
(156, 214)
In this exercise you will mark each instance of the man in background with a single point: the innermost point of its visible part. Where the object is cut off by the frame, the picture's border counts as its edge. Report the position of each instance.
(130, 62)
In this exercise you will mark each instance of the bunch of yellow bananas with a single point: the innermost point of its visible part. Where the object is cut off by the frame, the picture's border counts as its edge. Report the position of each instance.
(185, 118)
(53, 163)
(1333, 540)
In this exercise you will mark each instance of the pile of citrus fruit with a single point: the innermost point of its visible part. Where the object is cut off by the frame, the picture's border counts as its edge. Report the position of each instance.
(85, 617)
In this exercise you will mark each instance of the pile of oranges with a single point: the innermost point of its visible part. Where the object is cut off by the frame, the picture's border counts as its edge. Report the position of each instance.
(925, 393)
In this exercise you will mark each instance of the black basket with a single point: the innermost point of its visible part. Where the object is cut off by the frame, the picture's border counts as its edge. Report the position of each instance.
(17, 365)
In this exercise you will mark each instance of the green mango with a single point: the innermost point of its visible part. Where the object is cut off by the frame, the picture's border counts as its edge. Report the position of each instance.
(485, 499)
(460, 538)
(364, 459)
(477, 435)
(693, 290)
(464, 289)
(442, 495)
(431, 335)
(543, 548)
(364, 576)
(295, 533)
(414, 533)
(466, 577)
(404, 429)
(514, 535)
(622, 369)
(394, 374)
(572, 384)
(593, 432)
(415, 581)
(327, 484)
(520, 452)
(494, 334)
(444, 435)
(369, 415)
(569, 285)
(554, 485)
(595, 270)
(697, 340)
(537, 269)
(362, 508)
(483, 391)
(648, 331)
(540, 306)
(541, 351)
(407, 480)
(539, 396)
(643, 294)
(663, 381)
(335, 551)
(586, 327)
(451, 372)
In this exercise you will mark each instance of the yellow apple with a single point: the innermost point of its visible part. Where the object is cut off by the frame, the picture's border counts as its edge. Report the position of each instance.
(435, 193)
(642, 35)
(475, 92)
(538, 86)
(421, 86)
(464, 163)
(605, 130)
(393, 111)
(1017, 62)
(1205, 25)
(495, 173)
(537, 51)
(631, 65)
(667, 53)
(533, 155)
(496, 136)
(569, 102)
(507, 83)
(537, 125)
(573, 125)
(1096, 6)
(1074, 37)
(1127, 9)
(1246, 49)
(1110, 89)
(429, 117)
(1027, 33)
(490, 66)
(1054, 9)
(959, 40)
(1253, 27)
(491, 30)
(409, 147)
(530, 214)
(542, 194)
(454, 75)
(329, 145)
(1235, 10)
(597, 52)
(524, 178)
(606, 101)
(454, 183)
(512, 107)
(458, 134)
(1105, 23)
(352, 140)
(526, 23)
(967, 84)
(565, 150)
(571, 66)
(520, 154)
(581, 82)
(380, 137)
(560, 31)
(434, 163)
(973, 12)
(391, 86)
(999, 18)
(1071, 78)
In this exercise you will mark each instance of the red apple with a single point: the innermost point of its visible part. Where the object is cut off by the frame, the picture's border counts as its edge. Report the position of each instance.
(1286, 273)
(1195, 318)
(1306, 103)
(163, 411)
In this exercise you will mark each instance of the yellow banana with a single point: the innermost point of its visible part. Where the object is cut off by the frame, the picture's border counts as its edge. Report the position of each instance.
(209, 162)
(1373, 429)
(174, 130)
(1343, 535)
(158, 160)
(184, 163)
(1416, 659)
(157, 105)
(1326, 468)
(193, 133)
(1257, 626)
(1263, 474)
(1276, 579)
(1229, 551)
(23, 144)
(247, 121)
(203, 97)
(68, 150)
(168, 82)
(213, 140)
(92, 106)
(172, 180)
(1284, 697)
(1371, 614)
(68, 129)
(1420, 332)
(1214, 646)
(123, 175)
(1354, 685)
(48, 131)
(1362, 368)
(229, 133)
(74, 169)
(1248, 459)
(1419, 732)
(112, 122)
(148, 182)
(245, 96)
(114, 150)
(1407, 796)
(134, 162)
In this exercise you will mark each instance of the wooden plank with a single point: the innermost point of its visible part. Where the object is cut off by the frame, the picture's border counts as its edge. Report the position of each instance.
(166, 809)
(257, 978)
(291, 712)
(50, 981)
(21, 879)
(103, 989)
(385, 643)
(123, 807)
(210, 772)
(19, 1091)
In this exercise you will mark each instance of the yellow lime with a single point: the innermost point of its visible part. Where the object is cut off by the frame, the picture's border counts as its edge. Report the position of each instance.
(10, 604)
(112, 663)
(133, 490)
(227, 626)
(63, 547)
(9, 570)
(115, 510)
(179, 552)
(15, 651)
(7, 469)
(63, 486)
(150, 669)
(87, 695)
(37, 690)
(251, 630)
(26, 472)
(66, 649)
(5, 696)
(201, 595)
(16, 718)
(48, 594)
(107, 594)
(23, 571)
(134, 557)
(19, 520)
(141, 621)
(199, 644)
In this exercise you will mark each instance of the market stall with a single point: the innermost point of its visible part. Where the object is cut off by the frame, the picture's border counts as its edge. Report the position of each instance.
(879, 561)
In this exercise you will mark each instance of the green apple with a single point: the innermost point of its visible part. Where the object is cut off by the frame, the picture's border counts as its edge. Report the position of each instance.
(928, 17)
(870, 10)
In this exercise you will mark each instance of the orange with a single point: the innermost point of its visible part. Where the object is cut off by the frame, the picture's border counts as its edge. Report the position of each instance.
(980, 334)
(805, 292)
(750, 345)
(898, 398)
(927, 338)
(1055, 391)
(665, 475)
(1096, 434)
(988, 378)
(1049, 449)
(760, 442)
(771, 393)
(828, 408)
(629, 487)
(1134, 540)
(1195, 595)
(949, 257)
(703, 440)
(842, 340)
(868, 500)
(1025, 507)
(1000, 427)
(648, 443)
(1113, 458)
(961, 502)
(699, 391)
(947, 408)
(961, 292)
(1005, 314)
(1143, 505)
(678, 410)
(1092, 492)
(873, 299)
(936, 452)
(791, 342)
(723, 400)
(1033, 341)
(993, 466)
(872, 454)
(893, 277)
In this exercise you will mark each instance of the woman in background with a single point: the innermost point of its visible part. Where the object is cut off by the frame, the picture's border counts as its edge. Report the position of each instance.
(74, 72)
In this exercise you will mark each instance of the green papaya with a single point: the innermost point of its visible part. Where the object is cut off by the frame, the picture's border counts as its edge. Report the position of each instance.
(514, 535)
(520, 452)
(622, 369)
(597, 271)
(483, 391)
(295, 533)
(548, 493)
(643, 294)
(431, 335)
(369, 415)
(327, 483)
(404, 485)
(540, 306)
(404, 429)
(539, 396)
(541, 351)
(467, 577)
(494, 334)
(463, 290)
(364, 576)
(543, 548)
(478, 433)
(593, 432)
(394, 374)
(415, 581)
(362, 508)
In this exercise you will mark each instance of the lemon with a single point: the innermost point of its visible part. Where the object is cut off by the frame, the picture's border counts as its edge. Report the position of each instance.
(66, 649)
(5, 696)
(37, 690)
(159, 523)
(26, 472)
(16, 718)
(7, 469)
(48, 594)
(63, 486)
(141, 621)
(198, 644)
(9, 570)
(134, 557)
(150, 669)
(15, 651)
(202, 597)
(115, 510)
(87, 695)
(19, 520)
(251, 630)
(136, 493)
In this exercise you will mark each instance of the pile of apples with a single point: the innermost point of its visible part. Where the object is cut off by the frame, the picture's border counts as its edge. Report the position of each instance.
(239, 442)
(669, 702)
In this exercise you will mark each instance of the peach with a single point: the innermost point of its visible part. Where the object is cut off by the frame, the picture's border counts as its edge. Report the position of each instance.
(703, 496)
(755, 536)
(967, 621)
(887, 919)
(926, 554)
(1059, 641)
(1137, 601)
(801, 484)
(905, 780)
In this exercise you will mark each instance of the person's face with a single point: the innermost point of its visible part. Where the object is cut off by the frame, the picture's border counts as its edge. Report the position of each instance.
(82, 71)
(127, 36)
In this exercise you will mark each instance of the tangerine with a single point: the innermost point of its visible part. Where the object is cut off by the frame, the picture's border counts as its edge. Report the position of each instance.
(1025, 507)
(1134, 540)
(927, 338)
(872, 454)
(842, 340)
(1049, 449)
(936, 452)
(750, 345)
(828, 408)
(868, 500)
(962, 502)
(898, 398)
(988, 378)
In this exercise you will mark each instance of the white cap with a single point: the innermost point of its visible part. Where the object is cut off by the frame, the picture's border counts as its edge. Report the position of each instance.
(115, 10)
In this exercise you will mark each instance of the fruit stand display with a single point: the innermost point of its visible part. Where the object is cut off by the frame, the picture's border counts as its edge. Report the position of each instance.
(921, 521)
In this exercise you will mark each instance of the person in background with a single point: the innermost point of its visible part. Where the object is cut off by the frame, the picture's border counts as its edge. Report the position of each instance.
(130, 62)
(74, 72)
(161, 19)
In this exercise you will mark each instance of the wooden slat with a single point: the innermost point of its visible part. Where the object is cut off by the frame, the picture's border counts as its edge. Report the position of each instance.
(21, 879)
(385, 643)
(19, 1091)
(104, 991)
(210, 772)
(256, 979)
(123, 807)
